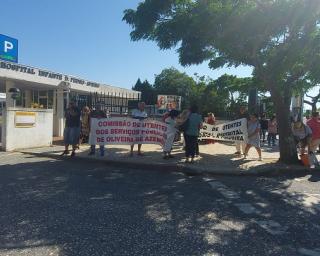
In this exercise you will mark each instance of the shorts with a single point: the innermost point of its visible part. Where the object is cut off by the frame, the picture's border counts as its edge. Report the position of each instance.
(71, 135)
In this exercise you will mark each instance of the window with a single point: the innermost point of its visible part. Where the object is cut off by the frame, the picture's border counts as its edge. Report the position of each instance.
(43, 99)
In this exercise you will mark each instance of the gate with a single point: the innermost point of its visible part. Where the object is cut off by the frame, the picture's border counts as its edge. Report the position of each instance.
(113, 104)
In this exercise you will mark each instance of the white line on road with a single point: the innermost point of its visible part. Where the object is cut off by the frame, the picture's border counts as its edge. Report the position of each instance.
(308, 252)
(224, 190)
(247, 208)
(271, 226)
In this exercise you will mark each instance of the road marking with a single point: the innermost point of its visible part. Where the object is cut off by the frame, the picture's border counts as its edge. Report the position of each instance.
(224, 190)
(272, 227)
(307, 252)
(247, 208)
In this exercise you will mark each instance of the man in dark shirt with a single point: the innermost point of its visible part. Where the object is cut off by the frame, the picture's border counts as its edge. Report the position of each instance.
(264, 127)
(72, 128)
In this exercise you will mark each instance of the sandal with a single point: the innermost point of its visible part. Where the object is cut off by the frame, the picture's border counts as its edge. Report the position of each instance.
(66, 152)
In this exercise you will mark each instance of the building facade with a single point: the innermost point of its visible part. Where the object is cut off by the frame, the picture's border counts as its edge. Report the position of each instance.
(43, 89)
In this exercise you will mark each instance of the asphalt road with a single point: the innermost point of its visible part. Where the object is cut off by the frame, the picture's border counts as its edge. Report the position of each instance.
(71, 207)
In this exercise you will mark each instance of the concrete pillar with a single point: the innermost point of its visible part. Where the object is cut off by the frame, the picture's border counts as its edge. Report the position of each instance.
(59, 117)
(9, 100)
(28, 98)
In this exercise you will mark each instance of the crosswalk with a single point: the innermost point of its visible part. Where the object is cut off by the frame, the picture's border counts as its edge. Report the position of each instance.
(258, 212)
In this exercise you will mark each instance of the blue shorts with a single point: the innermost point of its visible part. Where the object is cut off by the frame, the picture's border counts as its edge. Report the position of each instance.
(71, 135)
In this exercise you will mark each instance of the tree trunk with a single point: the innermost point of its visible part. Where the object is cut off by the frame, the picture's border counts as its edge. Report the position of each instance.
(288, 151)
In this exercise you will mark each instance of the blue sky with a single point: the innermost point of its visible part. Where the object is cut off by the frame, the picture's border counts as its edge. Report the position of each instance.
(88, 39)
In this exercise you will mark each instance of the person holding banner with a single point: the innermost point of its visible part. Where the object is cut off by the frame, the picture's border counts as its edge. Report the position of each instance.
(192, 133)
(253, 135)
(240, 144)
(170, 134)
(97, 113)
(212, 121)
(140, 114)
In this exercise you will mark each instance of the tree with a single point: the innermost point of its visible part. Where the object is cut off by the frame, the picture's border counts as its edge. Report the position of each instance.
(148, 94)
(173, 82)
(280, 39)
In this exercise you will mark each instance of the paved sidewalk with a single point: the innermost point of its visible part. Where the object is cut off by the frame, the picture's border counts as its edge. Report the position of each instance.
(215, 158)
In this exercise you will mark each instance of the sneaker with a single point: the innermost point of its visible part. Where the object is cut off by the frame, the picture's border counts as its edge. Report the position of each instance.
(237, 153)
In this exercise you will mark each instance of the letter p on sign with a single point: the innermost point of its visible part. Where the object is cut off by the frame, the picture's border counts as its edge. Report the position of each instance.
(8, 48)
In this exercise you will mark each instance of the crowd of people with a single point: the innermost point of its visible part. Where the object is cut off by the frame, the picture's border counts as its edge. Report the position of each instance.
(188, 123)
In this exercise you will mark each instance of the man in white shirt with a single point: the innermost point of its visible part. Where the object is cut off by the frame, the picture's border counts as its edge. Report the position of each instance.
(140, 114)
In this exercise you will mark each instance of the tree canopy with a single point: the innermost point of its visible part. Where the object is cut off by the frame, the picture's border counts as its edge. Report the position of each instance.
(221, 96)
(280, 39)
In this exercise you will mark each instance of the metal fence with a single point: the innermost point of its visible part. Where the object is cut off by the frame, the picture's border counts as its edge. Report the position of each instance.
(114, 104)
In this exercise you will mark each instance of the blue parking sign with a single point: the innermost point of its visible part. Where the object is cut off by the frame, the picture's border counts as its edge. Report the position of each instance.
(8, 48)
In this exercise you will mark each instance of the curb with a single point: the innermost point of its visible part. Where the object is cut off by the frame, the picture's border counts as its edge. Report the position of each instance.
(187, 169)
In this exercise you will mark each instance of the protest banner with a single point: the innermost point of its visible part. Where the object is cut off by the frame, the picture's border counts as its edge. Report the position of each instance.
(231, 131)
(127, 131)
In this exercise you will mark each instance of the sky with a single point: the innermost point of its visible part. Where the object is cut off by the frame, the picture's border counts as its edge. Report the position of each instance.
(88, 39)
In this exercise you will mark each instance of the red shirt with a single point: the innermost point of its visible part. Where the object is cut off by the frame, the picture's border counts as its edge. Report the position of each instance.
(314, 124)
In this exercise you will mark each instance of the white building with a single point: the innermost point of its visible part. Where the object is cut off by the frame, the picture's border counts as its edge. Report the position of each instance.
(49, 90)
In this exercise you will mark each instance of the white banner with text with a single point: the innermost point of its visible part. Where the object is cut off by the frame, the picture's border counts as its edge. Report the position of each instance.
(127, 131)
(231, 131)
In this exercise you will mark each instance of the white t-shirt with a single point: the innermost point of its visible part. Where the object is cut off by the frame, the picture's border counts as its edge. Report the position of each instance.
(136, 113)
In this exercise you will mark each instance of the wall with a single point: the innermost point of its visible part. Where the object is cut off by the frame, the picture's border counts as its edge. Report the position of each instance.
(19, 138)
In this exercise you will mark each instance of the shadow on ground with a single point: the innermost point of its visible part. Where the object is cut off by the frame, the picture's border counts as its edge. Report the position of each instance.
(69, 208)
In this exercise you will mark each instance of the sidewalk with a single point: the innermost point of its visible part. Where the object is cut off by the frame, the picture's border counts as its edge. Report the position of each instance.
(215, 158)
